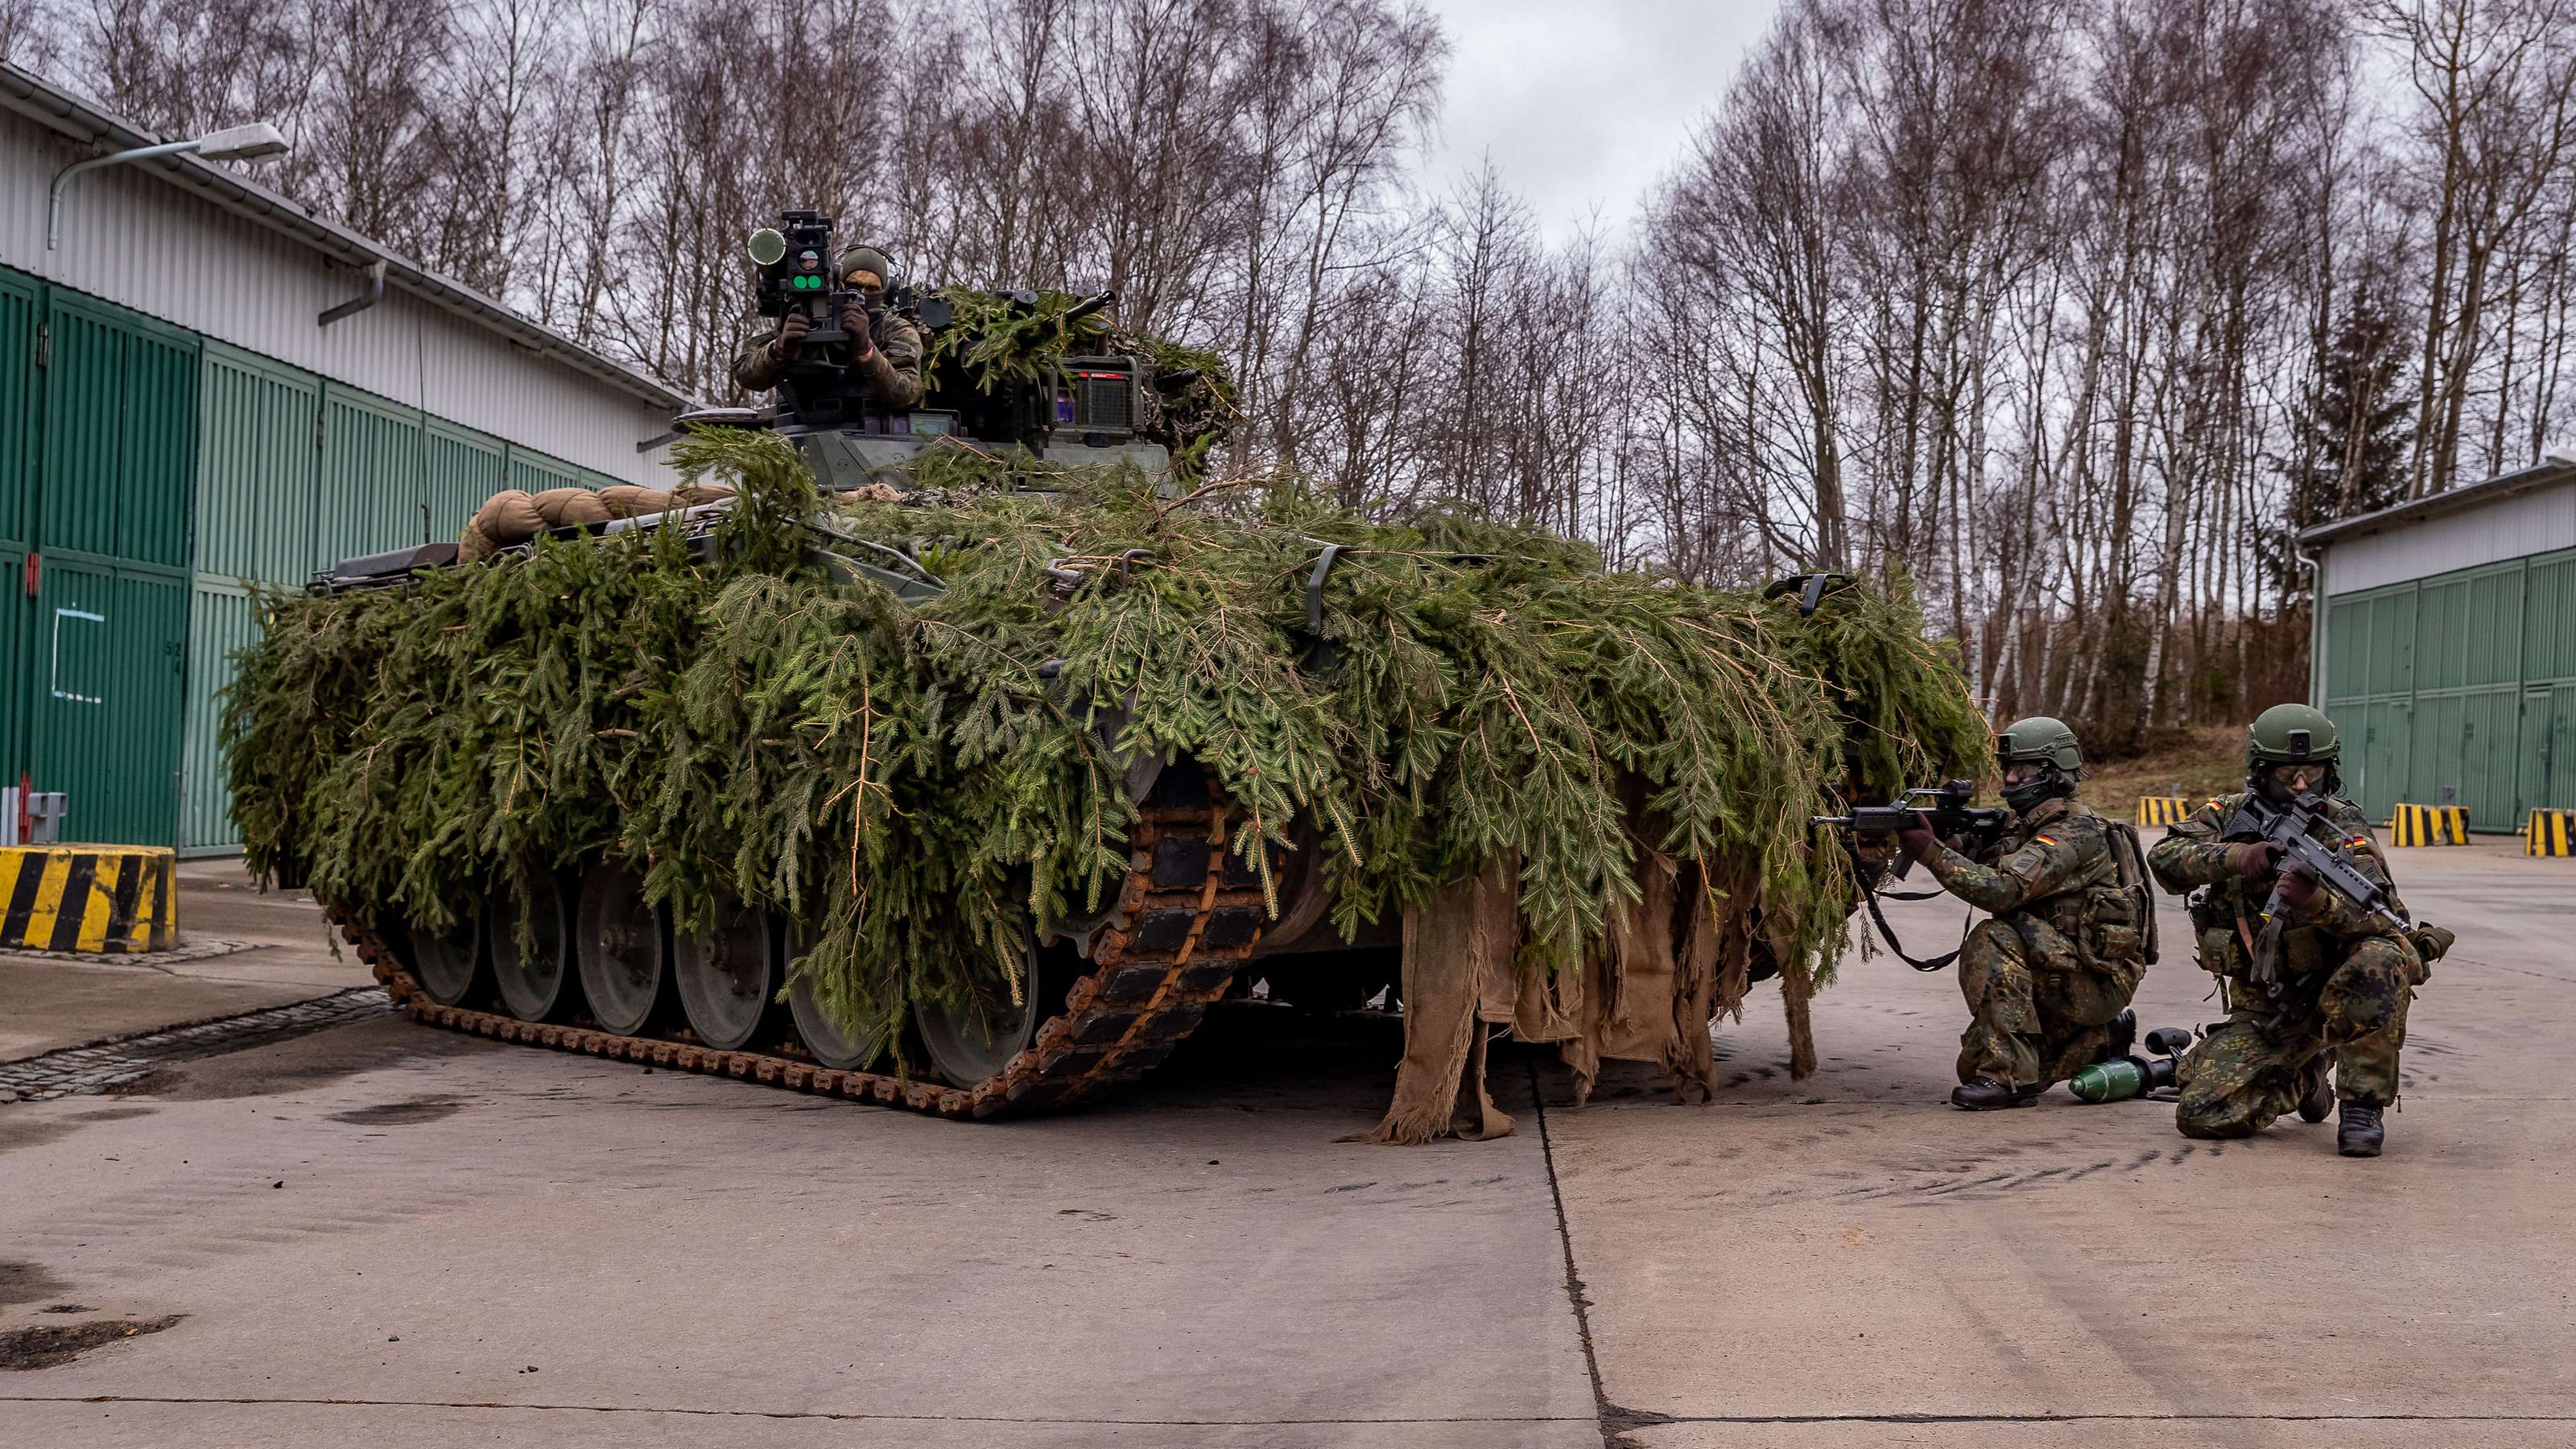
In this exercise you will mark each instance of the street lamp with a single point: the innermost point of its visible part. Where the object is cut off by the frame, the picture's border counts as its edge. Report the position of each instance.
(234, 143)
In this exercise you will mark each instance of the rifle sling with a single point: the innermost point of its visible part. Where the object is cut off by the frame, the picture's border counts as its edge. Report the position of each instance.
(1888, 933)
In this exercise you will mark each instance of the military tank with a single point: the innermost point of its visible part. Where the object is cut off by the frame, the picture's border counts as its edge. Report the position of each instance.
(805, 967)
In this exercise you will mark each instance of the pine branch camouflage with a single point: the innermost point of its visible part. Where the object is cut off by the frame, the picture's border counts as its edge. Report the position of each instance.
(919, 788)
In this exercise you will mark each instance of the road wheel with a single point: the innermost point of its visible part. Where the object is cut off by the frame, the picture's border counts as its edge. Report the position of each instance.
(968, 1049)
(623, 970)
(728, 981)
(840, 1050)
(537, 979)
(448, 966)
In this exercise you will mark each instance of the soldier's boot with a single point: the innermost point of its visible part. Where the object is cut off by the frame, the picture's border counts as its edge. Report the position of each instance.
(1985, 1094)
(2359, 1134)
(2118, 1035)
(2317, 1093)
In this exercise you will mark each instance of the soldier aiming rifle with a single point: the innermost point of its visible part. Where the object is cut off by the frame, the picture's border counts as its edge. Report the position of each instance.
(2293, 908)
(2049, 974)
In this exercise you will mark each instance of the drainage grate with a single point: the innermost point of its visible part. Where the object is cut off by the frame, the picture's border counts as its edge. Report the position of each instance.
(90, 1070)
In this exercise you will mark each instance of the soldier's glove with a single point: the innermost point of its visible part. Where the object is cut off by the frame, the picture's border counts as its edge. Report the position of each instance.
(854, 320)
(2298, 889)
(791, 336)
(2258, 862)
(1916, 840)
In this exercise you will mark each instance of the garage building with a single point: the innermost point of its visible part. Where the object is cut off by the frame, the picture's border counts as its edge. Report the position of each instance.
(2445, 648)
(203, 390)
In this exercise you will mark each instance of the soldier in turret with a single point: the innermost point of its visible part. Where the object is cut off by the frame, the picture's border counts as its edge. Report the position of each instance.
(882, 357)
(2267, 1058)
(2049, 975)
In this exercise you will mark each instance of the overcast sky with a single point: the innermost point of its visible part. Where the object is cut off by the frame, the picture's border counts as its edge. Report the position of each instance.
(1584, 102)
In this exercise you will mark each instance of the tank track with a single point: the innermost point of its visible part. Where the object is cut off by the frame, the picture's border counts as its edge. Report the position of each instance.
(1188, 914)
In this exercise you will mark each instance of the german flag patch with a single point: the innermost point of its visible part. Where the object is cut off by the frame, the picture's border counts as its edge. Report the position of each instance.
(2043, 840)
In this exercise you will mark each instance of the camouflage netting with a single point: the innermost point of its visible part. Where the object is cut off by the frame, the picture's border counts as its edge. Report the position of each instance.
(1605, 775)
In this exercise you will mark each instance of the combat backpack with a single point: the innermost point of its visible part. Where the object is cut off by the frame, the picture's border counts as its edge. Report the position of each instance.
(2134, 890)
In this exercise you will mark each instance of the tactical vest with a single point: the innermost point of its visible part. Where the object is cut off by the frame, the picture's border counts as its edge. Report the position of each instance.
(2109, 912)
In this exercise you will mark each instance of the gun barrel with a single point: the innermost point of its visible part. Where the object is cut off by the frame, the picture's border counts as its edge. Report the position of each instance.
(1089, 305)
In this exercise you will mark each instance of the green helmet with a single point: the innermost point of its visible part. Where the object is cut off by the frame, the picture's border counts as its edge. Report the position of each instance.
(2039, 738)
(863, 257)
(2291, 734)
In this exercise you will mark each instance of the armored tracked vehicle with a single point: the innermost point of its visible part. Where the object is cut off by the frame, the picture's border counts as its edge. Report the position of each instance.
(971, 753)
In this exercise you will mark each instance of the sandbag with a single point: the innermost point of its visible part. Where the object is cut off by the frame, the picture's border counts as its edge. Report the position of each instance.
(565, 507)
(507, 517)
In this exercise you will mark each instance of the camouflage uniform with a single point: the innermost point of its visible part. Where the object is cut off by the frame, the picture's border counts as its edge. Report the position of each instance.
(2040, 983)
(2238, 1079)
(892, 377)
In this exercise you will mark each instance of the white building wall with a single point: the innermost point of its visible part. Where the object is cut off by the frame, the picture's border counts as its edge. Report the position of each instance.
(2540, 521)
(138, 241)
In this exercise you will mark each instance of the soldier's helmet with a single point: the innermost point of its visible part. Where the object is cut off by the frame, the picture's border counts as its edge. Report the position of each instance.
(2044, 742)
(2291, 734)
(2039, 739)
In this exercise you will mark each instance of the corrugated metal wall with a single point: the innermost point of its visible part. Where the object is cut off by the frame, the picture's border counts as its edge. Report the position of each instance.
(256, 461)
(338, 472)
(141, 242)
(21, 308)
(465, 467)
(220, 621)
(2459, 689)
(295, 472)
(2508, 528)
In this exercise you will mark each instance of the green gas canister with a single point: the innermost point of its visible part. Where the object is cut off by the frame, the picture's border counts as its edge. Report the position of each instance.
(2114, 1081)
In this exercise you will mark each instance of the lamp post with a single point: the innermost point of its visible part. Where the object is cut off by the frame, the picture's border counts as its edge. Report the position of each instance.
(234, 143)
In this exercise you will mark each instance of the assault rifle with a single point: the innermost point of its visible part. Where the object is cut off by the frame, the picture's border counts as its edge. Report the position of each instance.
(1968, 827)
(2292, 828)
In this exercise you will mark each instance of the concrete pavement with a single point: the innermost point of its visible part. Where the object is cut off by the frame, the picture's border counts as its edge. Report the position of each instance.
(388, 1235)
(240, 951)
(1880, 1268)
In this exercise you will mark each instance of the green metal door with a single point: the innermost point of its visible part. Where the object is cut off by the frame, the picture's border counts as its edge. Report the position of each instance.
(259, 426)
(259, 422)
(2534, 759)
(22, 307)
(370, 492)
(110, 655)
(106, 640)
(2386, 735)
(221, 620)
(465, 467)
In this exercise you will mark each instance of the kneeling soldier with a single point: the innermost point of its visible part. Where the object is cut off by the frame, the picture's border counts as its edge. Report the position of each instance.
(2345, 973)
(2048, 978)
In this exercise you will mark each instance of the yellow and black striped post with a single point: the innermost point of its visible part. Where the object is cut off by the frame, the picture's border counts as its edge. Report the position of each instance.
(111, 899)
(2551, 833)
(2429, 825)
(2163, 809)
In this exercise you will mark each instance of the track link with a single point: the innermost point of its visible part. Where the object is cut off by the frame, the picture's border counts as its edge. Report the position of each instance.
(1188, 914)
